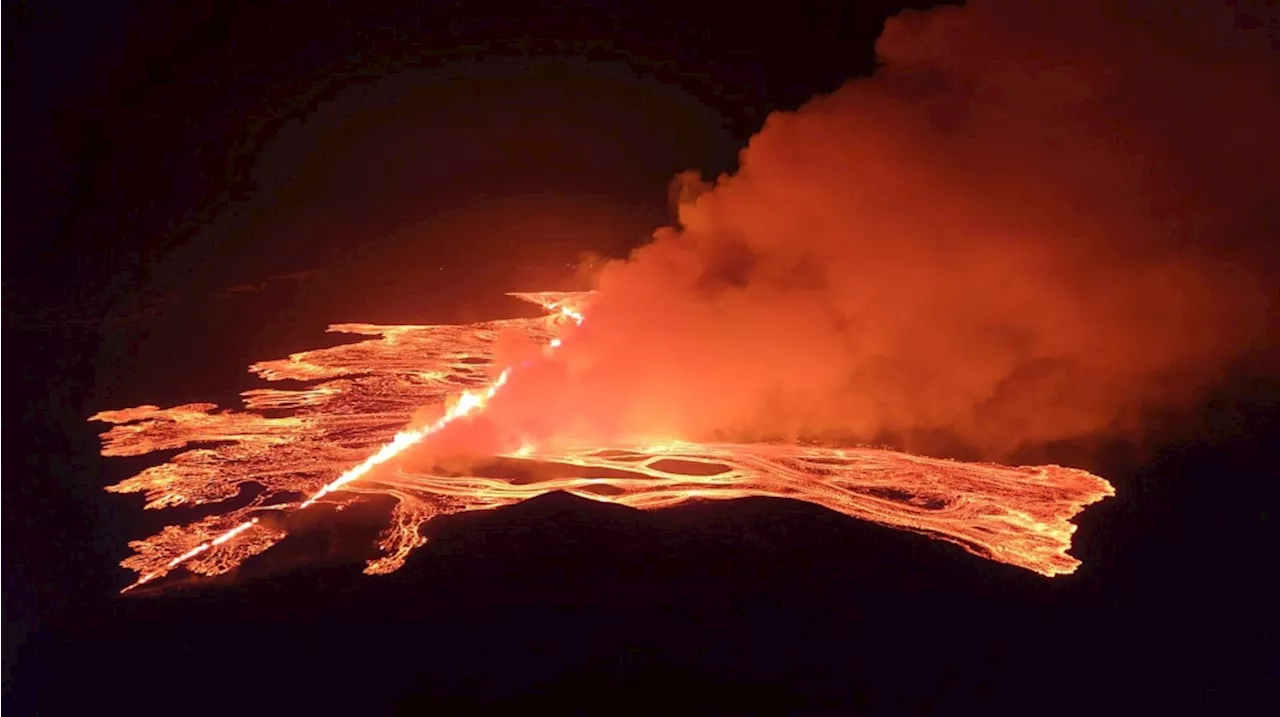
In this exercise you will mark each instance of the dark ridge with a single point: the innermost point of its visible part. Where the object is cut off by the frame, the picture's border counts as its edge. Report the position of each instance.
(824, 461)
(603, 489)
(616, 455)
(523, 471)
(689, 468)
(899, 496)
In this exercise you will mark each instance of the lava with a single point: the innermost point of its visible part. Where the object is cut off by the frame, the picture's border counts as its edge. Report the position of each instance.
(350, 420)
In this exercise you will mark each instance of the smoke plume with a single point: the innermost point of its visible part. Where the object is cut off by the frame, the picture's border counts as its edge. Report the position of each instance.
(1036, 221)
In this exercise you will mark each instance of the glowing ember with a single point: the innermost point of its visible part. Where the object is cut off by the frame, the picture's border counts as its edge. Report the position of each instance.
(351, 420)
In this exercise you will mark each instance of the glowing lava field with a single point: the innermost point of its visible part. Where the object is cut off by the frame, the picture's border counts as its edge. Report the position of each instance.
(339, 438)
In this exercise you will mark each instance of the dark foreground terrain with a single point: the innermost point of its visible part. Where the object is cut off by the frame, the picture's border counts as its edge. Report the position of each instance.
(560, 605)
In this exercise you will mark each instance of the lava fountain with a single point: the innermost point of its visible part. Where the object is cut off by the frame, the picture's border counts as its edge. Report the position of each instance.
(337, 440)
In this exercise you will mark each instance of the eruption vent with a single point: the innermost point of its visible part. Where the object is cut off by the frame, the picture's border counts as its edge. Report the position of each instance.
(344, 440)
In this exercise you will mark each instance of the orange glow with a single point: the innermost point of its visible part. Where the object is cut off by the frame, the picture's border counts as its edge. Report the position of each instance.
(346, 439)
(468, 402)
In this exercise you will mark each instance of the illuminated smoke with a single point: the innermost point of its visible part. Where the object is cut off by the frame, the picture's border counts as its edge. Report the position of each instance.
(1036, 221)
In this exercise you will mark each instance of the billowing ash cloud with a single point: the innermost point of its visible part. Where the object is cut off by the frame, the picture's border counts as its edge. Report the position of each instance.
(1036, 221)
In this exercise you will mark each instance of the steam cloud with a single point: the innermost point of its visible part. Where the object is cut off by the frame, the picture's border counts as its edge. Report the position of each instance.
(1036, 221)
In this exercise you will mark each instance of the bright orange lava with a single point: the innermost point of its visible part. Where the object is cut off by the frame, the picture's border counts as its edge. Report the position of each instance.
(350, 420)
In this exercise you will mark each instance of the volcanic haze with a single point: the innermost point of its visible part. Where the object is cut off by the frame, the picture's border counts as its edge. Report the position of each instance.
(1035, 222)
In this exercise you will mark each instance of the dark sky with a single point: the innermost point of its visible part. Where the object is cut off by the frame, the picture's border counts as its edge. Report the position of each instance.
(155, 140)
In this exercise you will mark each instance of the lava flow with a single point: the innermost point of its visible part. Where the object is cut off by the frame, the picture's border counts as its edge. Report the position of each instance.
(351, 419)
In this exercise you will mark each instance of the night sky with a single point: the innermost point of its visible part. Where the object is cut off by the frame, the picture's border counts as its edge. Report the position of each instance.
(198, 186)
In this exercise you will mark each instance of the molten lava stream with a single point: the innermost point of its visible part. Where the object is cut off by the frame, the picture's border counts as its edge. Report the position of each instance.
(350, 420)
